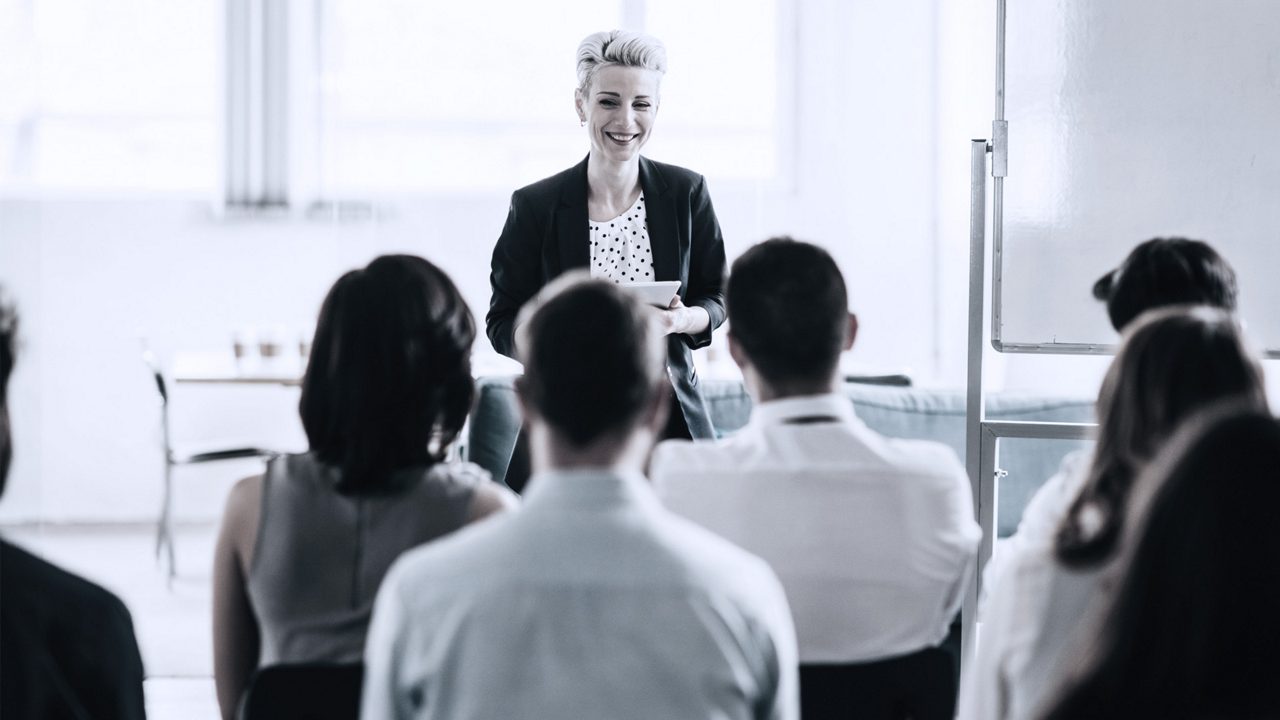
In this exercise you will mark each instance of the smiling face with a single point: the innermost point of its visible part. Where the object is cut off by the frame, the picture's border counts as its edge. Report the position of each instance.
(619, 107)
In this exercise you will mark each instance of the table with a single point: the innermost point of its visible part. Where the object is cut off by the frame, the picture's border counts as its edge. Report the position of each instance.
(222, 368)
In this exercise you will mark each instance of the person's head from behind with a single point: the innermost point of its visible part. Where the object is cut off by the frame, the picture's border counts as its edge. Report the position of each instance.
(8, 354)
(389, 382)
(789, 318)
(1172, 363)
(594, 390)
(1166, 271)
(1201, 580)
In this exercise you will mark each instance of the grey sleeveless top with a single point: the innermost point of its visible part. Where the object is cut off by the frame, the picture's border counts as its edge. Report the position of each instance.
(320, 555)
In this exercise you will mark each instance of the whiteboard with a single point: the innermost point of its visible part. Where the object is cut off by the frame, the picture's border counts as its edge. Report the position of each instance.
(1131, 120)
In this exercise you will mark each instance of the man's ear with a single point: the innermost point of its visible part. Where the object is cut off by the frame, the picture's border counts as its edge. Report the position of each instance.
(851, 333)
(655, 413)
(736, 352)
(522, 400)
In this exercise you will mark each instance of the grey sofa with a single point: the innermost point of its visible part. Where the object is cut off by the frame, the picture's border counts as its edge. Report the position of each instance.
(905, 412)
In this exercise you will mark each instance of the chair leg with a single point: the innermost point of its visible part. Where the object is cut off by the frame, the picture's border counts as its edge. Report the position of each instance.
(164, 529)
(173, 560)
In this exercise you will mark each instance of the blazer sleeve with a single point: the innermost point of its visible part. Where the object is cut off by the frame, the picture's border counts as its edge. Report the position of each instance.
(705, 288)
(515, 274)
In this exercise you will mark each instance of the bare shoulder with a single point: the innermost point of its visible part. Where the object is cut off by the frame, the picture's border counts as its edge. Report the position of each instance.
(241, 517)
(486, 496)
(245, 497)
(491, 498)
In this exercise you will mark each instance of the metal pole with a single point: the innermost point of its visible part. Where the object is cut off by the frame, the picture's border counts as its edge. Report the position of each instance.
(1000, 23)
(999, 169)
(975, 411)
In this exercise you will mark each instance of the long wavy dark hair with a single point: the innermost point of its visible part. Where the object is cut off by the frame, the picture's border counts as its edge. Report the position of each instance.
(1173, 361)
(1193, 630)
(389, 382)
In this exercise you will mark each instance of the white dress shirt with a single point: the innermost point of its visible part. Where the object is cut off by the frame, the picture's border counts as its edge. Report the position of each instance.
(872, 537)
(1031, 609)
(592, 601)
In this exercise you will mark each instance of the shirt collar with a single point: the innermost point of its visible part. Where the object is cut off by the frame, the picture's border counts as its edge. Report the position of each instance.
(588, 488)
(778, 412)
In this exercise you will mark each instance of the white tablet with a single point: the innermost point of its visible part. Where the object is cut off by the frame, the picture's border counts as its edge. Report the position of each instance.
(659, 293)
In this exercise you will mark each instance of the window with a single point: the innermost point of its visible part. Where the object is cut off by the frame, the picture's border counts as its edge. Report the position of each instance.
(719, 110)
(109, 96)
(464, 96)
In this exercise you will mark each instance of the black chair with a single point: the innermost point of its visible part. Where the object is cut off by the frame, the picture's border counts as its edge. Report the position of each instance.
(304, 692)
(174, 456)
(919, 686)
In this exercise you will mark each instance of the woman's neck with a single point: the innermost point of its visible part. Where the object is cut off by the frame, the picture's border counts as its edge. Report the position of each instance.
(611, 185)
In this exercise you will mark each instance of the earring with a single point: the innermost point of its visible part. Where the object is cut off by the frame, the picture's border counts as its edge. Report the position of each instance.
(582, 122)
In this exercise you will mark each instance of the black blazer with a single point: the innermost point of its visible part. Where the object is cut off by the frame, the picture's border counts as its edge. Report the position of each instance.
(547, 233)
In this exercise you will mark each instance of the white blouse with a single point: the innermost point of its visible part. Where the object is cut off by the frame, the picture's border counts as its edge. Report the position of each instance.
(1033, 609)
(620, 249)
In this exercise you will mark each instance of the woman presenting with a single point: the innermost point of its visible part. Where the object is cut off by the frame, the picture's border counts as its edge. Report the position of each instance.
(622, 216)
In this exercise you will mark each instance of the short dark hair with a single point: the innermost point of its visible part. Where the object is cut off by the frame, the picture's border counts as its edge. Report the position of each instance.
(788, 309)
(1200, 584)
(1166, 271)
(8, 355)
(1173, 363)
(592, 359)
(389, 382)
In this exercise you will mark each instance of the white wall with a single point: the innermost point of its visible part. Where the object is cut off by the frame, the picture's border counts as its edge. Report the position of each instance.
(92, 275)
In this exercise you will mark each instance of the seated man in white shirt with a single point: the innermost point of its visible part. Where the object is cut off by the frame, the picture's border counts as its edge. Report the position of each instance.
(872, 537)
(593, 601)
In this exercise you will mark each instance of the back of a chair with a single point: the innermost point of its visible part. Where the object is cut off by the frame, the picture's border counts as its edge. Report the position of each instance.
(153, 365)
(919, 686)
(304, 692)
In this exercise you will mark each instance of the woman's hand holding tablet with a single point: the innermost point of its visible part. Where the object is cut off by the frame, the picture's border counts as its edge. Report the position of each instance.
(659, 294)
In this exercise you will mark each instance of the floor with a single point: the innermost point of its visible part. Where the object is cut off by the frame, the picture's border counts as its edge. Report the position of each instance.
(172, 622)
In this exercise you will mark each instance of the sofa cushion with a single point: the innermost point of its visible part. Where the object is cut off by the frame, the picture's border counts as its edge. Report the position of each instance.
(905, 412)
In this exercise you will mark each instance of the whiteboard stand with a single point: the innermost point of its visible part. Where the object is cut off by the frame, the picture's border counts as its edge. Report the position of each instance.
(982, 436)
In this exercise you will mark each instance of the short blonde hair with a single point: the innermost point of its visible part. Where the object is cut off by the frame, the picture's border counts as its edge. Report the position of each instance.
(619, 47)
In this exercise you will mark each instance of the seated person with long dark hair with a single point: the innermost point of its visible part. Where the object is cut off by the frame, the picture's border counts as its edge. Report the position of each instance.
(1193, 630)
(1157, 273)
(67, 648)
(304, 547)
(1173, 363)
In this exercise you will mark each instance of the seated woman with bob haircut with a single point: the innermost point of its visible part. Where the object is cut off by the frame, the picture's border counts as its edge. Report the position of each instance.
(304, 547)
(1193, 631)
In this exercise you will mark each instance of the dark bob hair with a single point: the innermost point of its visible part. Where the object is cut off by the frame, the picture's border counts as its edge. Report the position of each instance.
(389, 382)
(1166, 271)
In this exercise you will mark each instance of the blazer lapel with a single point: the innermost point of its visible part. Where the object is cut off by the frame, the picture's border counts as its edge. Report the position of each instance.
(664, 240)
(573, 234)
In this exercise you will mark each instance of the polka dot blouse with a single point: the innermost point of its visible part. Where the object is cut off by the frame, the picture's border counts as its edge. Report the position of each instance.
(620, 248)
